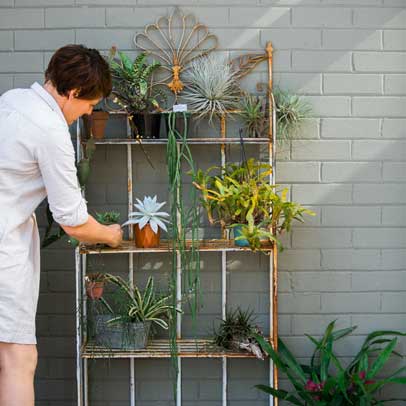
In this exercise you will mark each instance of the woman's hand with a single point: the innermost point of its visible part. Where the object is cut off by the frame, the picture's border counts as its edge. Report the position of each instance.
(116, 235)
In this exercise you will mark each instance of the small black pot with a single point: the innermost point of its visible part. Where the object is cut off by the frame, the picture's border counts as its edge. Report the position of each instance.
(147, 125)
(179, 122)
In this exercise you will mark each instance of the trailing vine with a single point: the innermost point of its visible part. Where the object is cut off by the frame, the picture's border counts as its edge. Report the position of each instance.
(182, 220)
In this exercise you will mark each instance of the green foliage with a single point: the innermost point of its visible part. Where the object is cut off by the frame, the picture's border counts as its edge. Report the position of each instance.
(129, 304)
(325, 381)
(133, 88)
(291, 111)
(108, 217)
(242, 194)
(254, 115)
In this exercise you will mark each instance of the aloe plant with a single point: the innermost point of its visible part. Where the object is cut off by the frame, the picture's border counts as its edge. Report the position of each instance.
(317, 385)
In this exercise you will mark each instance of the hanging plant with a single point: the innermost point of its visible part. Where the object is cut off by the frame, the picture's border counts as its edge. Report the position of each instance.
(182, 219)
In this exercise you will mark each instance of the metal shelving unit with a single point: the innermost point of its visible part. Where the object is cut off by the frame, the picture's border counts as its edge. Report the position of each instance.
(188, 348)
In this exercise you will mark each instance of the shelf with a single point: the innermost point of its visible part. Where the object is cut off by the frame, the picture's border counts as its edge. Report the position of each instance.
(164, 246)
(191, 141)
(188, 348)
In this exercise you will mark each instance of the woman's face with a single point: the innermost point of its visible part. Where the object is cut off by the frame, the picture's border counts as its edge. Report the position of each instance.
(74, 108)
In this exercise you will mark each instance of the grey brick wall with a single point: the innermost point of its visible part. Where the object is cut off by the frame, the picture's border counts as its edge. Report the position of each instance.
(348, 58)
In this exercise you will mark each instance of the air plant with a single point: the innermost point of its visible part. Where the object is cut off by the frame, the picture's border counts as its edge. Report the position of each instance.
(148, 214)
(254, 115)
(212, 88)
(291, 111)
(237, 332)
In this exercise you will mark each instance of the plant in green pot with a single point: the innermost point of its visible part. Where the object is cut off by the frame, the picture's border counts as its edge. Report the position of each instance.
(131, 313)
(135, 92)
(148, 221)
(240, 196)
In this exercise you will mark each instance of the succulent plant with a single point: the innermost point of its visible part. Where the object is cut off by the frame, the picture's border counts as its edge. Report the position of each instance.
(148, 213)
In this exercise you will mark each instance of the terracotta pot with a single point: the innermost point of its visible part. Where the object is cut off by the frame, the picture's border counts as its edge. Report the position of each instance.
(97, 122)
(94, 290)
(146, 238)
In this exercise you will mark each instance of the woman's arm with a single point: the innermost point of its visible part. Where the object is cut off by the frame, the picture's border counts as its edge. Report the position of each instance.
(93, 232)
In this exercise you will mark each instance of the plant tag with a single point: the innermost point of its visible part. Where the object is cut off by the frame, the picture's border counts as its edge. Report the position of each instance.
(178, 108)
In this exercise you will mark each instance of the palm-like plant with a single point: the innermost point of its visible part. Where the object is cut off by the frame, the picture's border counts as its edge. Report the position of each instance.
(317, 385)
(211, 87)
(148, 214)
(133, 89)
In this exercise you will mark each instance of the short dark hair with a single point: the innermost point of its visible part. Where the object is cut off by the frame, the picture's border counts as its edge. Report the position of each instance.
(78, 67)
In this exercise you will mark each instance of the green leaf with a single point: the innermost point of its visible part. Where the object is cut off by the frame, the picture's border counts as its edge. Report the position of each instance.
(280, 394)
(382, 358)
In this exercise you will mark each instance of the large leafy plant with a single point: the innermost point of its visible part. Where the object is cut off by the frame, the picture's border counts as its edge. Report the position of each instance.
(133, 88)
(242, 194)
(325, 381)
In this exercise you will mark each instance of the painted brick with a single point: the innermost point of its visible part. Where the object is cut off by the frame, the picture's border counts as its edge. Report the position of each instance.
(316, 324)
(322, 194)
(105, 38)
(258, 16)
(352, 84)
(74, 17)
(43, 40)
(43, 3)
(291, 38)
(379, 62)
(300, 82)
(21, 62)
(351, 216)
(366, 323)
(321, 238)
(294, 172)
(394, 216)
(344, 259)
(321, 17)
(6, 83)
(108, 2)
(394, 171)
(236, 39)
(380, 193)
(6, 40)
(299, 303)
(323, 61)
(330, 106)
(379, 281)
(393, 302)
(308, 130)
(379, 238)
(395, 84)
(350, 128)
(350, 302)
(24, 18)
(379, 106)
(350, 171)
(352, 39)
(394, 259)
(379, 150)
(7, 3)
(394, 128)
(380, 17)
(321, 281)
(394, 40)
(321, 150)
(294, 259)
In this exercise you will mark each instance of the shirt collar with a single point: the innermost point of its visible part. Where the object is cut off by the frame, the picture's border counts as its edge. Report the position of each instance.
(47, 97)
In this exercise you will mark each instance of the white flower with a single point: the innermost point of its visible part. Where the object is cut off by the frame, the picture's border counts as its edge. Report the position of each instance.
(148, 213)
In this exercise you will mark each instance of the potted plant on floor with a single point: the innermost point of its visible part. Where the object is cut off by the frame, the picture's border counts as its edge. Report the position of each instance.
(237, 333)
(318, 384)
(240, 196)
(148, 221)
(135, 92)
(131, 314)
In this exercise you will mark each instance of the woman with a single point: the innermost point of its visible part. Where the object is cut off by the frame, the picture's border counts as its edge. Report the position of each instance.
(36, 161)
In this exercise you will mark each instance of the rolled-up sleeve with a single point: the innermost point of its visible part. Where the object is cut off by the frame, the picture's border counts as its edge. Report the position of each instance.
(56, 160)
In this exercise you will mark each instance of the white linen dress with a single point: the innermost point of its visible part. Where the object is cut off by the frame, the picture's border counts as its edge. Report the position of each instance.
(37, 160)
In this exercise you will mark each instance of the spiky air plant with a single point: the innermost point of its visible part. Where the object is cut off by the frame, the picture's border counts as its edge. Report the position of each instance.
(254, 115)
(291, 111)
(211, 87)
(236, 332)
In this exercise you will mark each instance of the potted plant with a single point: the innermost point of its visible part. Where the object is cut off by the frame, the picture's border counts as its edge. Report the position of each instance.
(237, 332)
(134, 91)
(108, 217)
(212, 87)
(318, 384)
(148, 221)
(240, 196)
(95, 123)
(131, 314)
(253, 111)
(95, 285)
